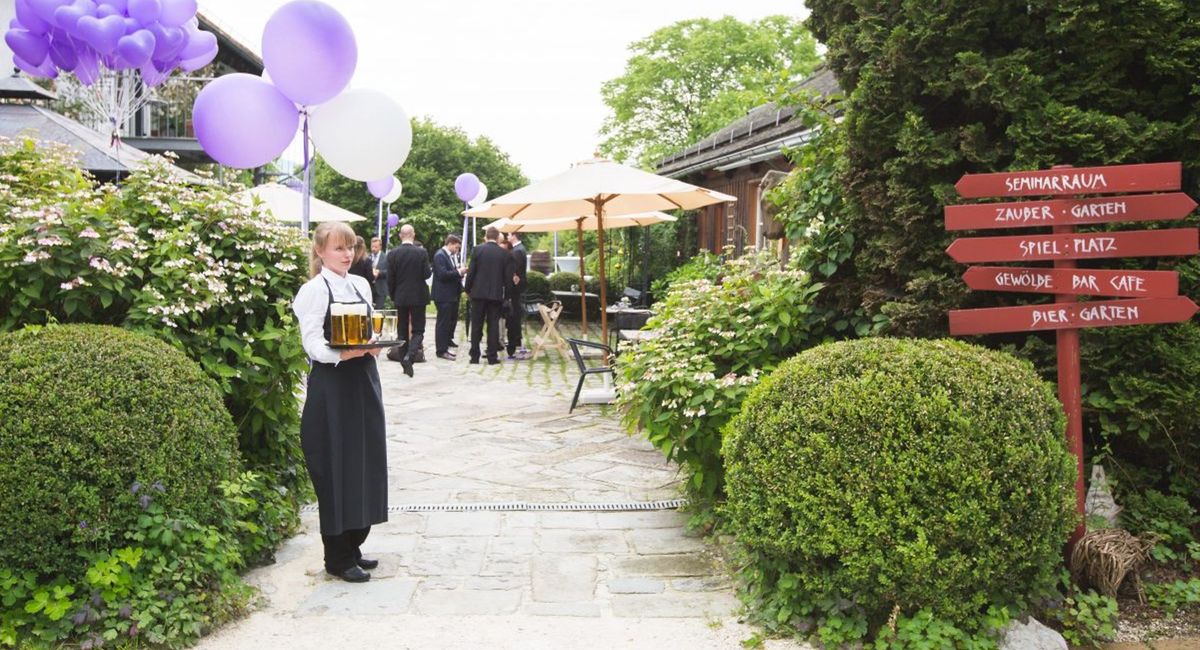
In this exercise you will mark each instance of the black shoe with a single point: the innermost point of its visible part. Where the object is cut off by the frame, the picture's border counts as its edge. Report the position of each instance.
(407, 364)
(447, 356)
(367, 563)
(493, 362)
(453, 344)
(474, 362)
(353, 574)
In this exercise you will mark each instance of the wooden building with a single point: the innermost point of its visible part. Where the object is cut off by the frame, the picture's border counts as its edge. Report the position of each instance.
(735, 159)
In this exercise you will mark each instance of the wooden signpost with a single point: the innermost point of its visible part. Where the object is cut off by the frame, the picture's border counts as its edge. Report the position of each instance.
(1149, 296)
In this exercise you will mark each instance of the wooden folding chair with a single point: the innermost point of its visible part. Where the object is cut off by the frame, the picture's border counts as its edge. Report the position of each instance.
(549, 338)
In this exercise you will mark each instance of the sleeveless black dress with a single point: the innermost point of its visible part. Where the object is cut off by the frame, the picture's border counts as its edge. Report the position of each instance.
(342, 432)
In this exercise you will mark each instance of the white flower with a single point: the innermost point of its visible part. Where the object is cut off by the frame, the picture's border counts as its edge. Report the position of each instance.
(89, 233)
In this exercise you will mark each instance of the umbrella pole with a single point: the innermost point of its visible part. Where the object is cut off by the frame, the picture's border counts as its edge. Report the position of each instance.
(582, 284)
(603, 282)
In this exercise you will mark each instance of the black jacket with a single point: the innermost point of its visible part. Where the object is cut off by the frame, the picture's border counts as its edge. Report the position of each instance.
(519, 264)
(407, 269)
(447, 283)
(491, 270)
(364, 269)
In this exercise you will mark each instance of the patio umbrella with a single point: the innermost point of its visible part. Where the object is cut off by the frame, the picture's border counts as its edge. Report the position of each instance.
(580, 224)
(286, 204)
(599, 188)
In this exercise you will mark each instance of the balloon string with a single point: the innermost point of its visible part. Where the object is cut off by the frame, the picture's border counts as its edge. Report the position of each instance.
(307, 177)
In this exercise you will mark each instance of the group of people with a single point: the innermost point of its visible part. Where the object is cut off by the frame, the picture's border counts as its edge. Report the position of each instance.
(342, 427)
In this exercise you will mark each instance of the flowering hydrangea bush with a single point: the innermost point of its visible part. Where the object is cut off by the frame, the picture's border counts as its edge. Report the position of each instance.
(183, 262)
(716, 339)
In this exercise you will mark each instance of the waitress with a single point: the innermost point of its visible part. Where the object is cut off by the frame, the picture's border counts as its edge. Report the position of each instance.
(342, 427)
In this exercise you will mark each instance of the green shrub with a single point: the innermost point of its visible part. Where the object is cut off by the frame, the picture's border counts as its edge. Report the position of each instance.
(1168, 518)
(680, 388)
(879, 473)
(184, 263)
(704, 266)
(1087, 618)
(87, 411)
(563, 281)
(537, 284)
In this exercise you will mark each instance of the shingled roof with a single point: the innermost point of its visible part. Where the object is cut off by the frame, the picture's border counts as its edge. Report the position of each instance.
(768, 127)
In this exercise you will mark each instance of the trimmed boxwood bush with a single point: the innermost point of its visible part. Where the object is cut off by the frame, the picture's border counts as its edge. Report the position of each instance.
(563, 281)
(537, 284)
(929, 476)
(85, 412)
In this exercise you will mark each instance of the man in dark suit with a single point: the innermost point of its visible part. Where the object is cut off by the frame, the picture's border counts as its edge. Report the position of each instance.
(379, 263)
(407, 269)
(516, 307)
(491, 268)
(447, 287)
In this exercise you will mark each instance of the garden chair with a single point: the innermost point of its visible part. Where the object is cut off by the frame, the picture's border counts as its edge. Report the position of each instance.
(549, 338)
(602, 396)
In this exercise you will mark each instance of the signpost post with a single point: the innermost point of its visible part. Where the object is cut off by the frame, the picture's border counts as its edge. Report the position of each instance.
(1150, 296)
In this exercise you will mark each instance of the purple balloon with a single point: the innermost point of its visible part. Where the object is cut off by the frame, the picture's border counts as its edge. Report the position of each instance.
(119, 5)
(152, 76)
(30, 19)
(168, 42)
(195, 63)
(137, 47)
(466, 186)
(104, 11)
(380, 188)
(198, 44)
(62, 51)
(309, 51)
(144, 11)
(67, 18)
(45, 9)
(27, 45)
(88, 70)
(101, 33)
(393, 220)
(132, 25)
(45, 70)
(243, 121)
(177, 12)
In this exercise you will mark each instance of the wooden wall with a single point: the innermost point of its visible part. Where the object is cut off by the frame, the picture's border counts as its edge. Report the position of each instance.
(733, 224)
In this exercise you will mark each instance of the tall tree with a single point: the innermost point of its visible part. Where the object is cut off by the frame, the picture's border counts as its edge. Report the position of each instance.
(439, 154)
(693, 77)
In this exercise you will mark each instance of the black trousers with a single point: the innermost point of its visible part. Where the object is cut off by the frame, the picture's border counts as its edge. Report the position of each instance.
(342, 551)
(515, 321)
(414, 316)
(485, 310)
(443, 329)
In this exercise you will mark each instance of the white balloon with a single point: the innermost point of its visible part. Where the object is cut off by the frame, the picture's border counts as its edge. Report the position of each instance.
(394, 195)
(363, 134)
(480, 197)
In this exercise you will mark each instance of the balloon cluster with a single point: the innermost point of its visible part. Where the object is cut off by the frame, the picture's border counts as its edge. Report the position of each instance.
(155, 37)
(309, 53)
(385, 189)
(470, 189)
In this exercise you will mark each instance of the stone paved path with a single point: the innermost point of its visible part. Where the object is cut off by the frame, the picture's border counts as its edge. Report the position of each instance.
(461, 434)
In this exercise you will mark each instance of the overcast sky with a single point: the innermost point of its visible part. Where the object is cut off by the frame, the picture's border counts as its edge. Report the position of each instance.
(525, 73)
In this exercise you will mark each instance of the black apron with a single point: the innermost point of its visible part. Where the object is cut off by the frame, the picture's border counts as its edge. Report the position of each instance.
(342, 432)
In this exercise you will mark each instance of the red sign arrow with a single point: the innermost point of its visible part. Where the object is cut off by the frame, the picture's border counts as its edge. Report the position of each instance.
(1068, 212)
(1056, 316)
(1071, 181)
(1080, 282)
(1077, 246)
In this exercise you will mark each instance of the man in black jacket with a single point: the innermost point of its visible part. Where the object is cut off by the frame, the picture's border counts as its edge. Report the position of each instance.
(516, 307)
(447, 287)
(491, 268)
(407, 269)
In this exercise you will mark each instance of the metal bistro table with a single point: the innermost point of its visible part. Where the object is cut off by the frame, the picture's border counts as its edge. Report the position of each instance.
(570, 300)
(626, 321)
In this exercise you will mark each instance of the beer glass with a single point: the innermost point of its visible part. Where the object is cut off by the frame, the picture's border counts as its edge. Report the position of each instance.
(359, 325)
(377, 323)
(337, 324)
(388, 332)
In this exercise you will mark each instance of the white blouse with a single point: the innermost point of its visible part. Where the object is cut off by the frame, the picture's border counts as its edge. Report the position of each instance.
(312, 304)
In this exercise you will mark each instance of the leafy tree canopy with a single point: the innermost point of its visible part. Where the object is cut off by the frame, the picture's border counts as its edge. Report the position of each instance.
(691, 78)
(439, 154)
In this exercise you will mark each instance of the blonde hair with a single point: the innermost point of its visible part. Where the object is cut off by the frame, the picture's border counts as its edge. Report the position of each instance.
(339, 231)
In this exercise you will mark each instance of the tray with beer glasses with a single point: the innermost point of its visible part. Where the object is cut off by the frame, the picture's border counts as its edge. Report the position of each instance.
(353, 327)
